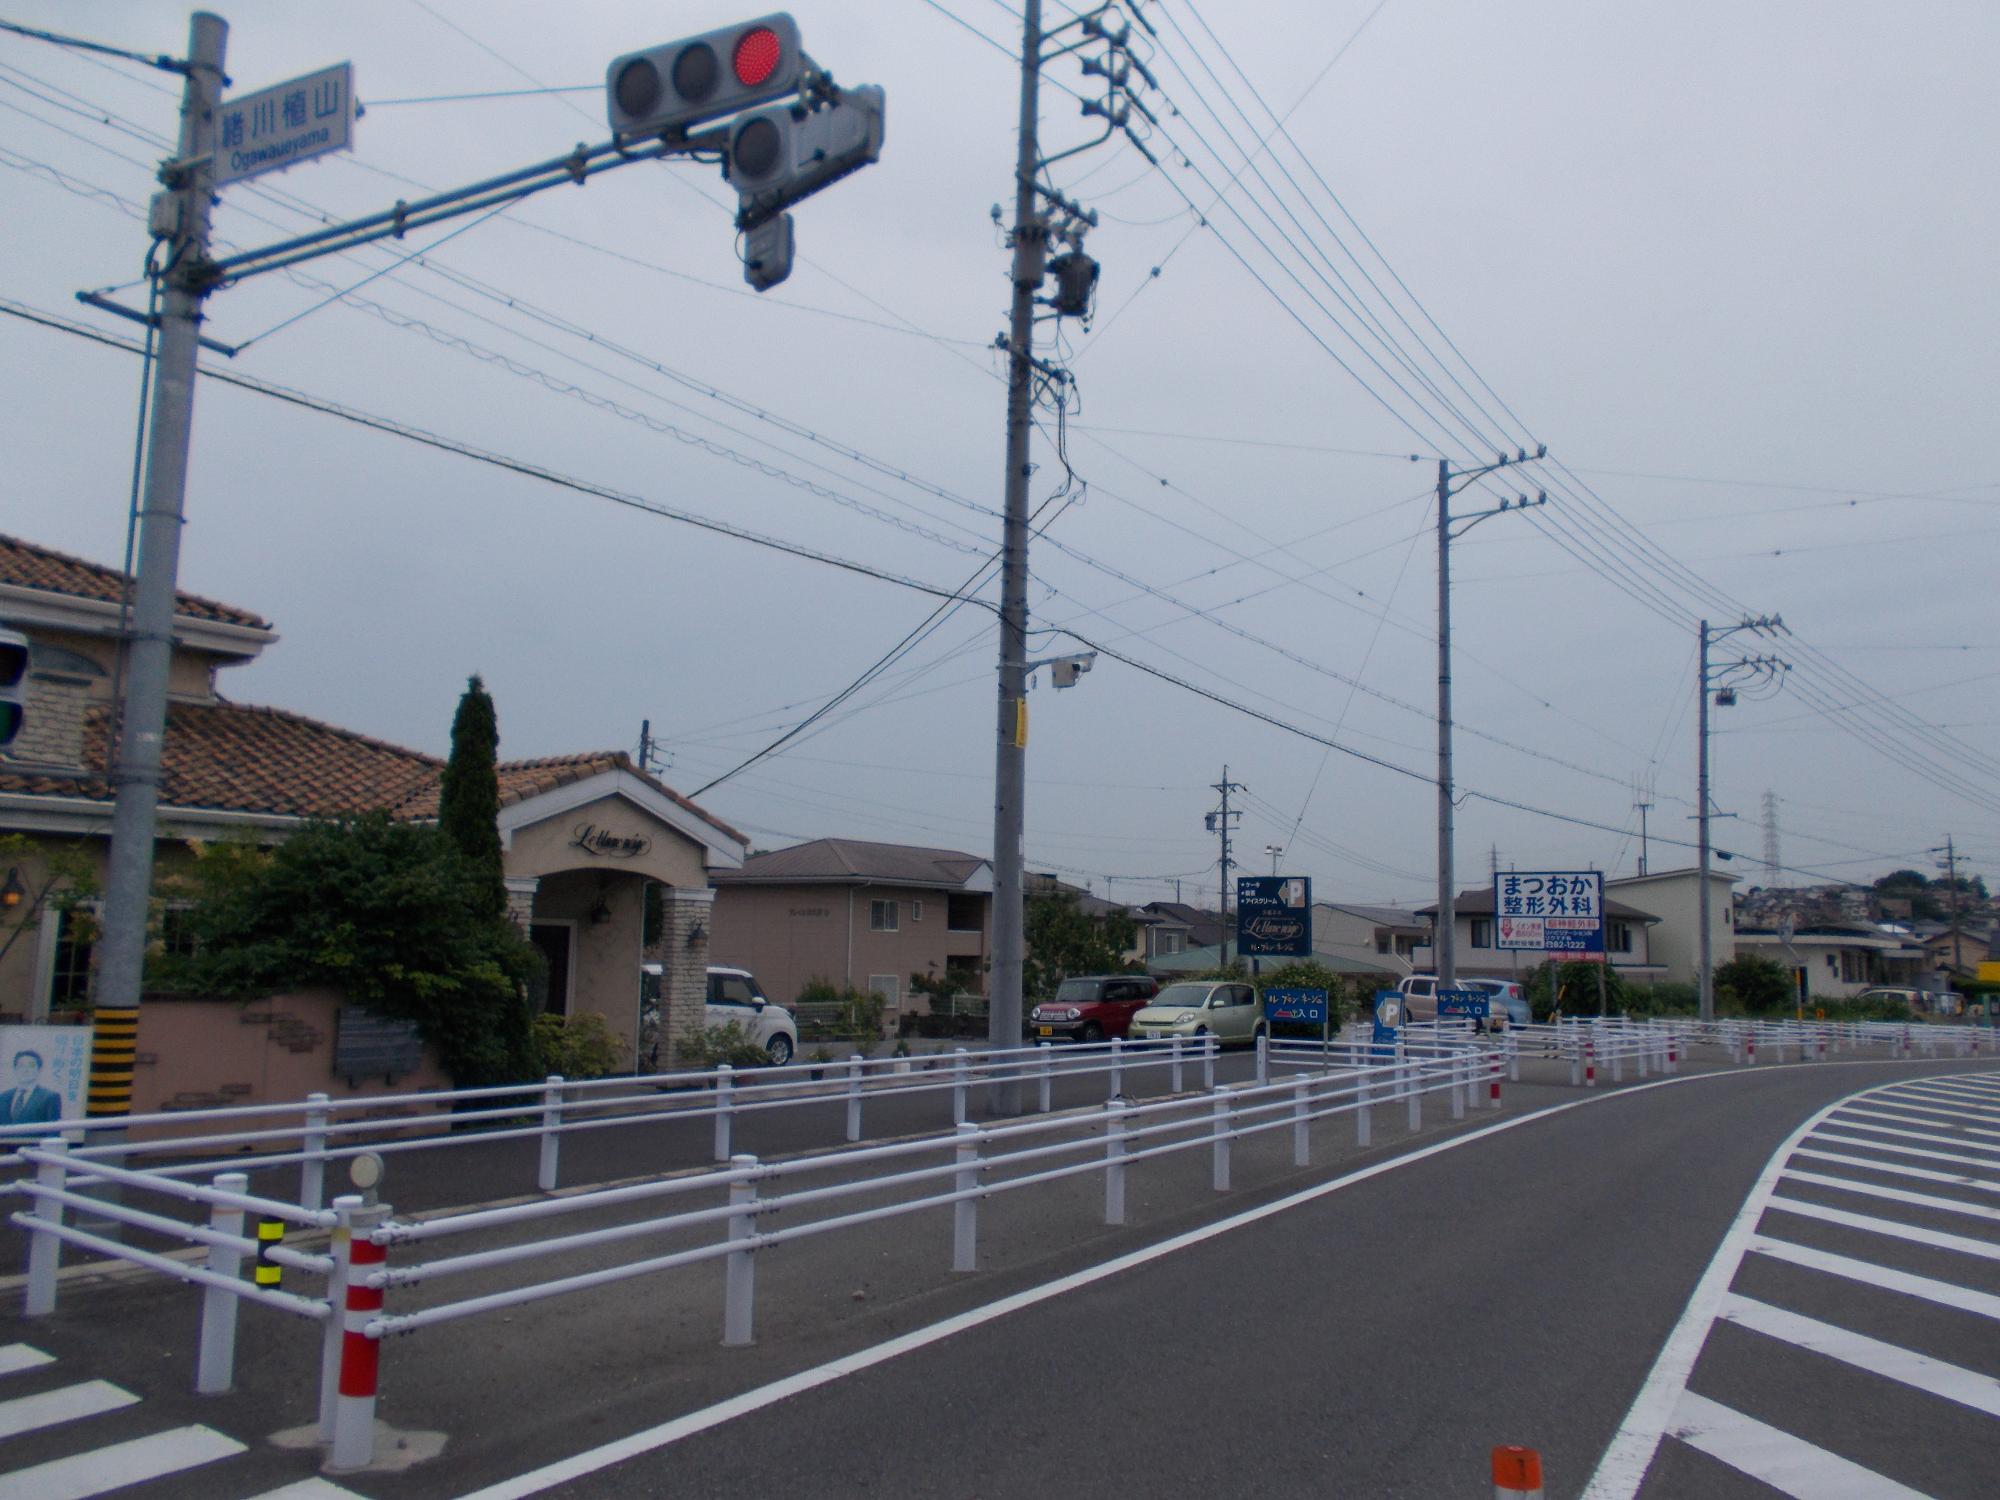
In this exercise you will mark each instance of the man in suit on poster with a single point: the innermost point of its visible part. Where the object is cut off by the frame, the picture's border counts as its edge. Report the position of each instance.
(27, 1102)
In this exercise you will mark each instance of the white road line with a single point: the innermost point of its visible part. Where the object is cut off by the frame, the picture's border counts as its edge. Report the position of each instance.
(308, 1489)
(1960, 1103)
(121, 1464)
(1895, 1195)
(65, 1404)
(1899, 1168)
(17, 1357)
(1954, 1383)
(1917, 1119)
(1936, 1238)
(1790, 1465)
(1908, 1284)
(1991, 1163)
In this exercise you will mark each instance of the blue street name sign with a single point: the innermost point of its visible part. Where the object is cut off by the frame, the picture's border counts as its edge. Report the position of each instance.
(1476, 1003)
(1295, 1005)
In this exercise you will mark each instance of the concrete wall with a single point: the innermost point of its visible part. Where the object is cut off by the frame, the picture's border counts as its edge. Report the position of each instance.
(210, 1054)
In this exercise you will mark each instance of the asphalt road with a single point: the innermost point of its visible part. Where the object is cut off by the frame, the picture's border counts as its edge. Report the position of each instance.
(1376, 1340)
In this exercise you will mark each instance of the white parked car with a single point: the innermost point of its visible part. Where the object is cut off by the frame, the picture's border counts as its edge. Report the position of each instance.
(735, 995)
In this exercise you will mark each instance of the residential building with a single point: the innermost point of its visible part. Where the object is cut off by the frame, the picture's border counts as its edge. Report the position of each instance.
(1197, 927)
(1628, 933)
(1383, 938)
(855, 913)
(582, 835)
(1042, 883)
(1841, 959)
(1674, 898)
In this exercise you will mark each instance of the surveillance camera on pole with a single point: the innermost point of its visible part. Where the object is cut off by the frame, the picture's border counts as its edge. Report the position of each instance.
(1065, 670)
(722, 72)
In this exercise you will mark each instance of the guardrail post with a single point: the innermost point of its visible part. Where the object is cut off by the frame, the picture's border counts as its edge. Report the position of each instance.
(1048, 1075)
(725, 1108)
(334, 1331)
(1174, 1047)
(312, 1171)
(1750, 1047)
(1412, 1076)
(961, 1079)
(1209, 1048)
(1617, 1060)
(360, 1356)
(1513, 1056)
(854, 1097)
(1590, 1062)
(1219, 1126)
(45, 1250)
(1117, 1068)
(215, 1364)
(1263, 1057)
(1574, 1047)
(1458, 1086)
(552, 1111)
(1364, 1127)
(1493, 1082)
(965, 1212)
(1301, 1126)
(739, 1274)
(1639, 1056)
(1114, 1162)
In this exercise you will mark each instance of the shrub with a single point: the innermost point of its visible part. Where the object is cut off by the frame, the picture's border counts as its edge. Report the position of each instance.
(713, 1046)
(1756, 986)
(1573, 986)
(580, 1047)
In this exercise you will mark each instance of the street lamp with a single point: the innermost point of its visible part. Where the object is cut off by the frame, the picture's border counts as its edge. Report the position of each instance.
(1274, 850)
(1723, 680)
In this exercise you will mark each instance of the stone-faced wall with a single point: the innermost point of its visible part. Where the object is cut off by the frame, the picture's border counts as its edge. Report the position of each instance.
(682, 953)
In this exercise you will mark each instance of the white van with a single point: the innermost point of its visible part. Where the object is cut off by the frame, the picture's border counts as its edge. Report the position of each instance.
(735, 995)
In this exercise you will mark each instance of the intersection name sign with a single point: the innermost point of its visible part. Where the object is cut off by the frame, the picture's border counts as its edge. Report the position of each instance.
(284, 125)
(1564, 908)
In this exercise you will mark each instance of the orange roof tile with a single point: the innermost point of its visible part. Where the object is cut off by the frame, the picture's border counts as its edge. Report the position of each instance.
(28, 566)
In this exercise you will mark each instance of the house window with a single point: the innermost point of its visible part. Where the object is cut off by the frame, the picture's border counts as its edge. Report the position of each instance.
(889, 987)
(1619, 938)
(964, 913)
(881, 916)
(916, 911)
(1381, 942)
(1167, 944)
(75, 938)
(1482, 932)
(1405, 946)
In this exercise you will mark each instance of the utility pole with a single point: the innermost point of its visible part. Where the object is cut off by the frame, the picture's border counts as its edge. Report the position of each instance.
(1220, 825)
(1030, 244)
(1950, 853)
(190, 180)
(1643, 793)
(1722, 681)
(1444, 939)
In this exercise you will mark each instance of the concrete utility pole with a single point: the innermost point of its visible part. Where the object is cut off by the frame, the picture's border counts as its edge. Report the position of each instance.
(1720, 681)
(1950, 853)
(1444, 939)
(184, 208)
(1219, 824)
(1030, 243)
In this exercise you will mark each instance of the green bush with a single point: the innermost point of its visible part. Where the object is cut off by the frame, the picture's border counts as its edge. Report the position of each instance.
(1573, 988)
(580, 1047)
(1754, 986)
(713, 1046)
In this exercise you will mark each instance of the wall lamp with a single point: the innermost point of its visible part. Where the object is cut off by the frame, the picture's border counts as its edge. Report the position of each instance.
(13, 893)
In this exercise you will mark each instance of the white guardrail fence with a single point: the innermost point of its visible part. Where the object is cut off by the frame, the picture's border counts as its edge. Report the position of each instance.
(746, 1205)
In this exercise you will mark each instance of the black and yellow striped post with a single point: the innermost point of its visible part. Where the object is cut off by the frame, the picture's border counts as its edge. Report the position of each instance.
(114, 1052)
(270, 1235)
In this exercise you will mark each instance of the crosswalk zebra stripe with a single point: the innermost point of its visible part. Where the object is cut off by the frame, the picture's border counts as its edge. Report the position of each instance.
(1966, 1387)
(67, 1403)
(86, 1474)
(1889, 1227)
(17, 1357)
(1944, 1293)
(1790, 1465)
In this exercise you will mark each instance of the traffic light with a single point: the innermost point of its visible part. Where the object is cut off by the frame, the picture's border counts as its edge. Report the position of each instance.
(704, 77)
(784, 152)
(13, 685)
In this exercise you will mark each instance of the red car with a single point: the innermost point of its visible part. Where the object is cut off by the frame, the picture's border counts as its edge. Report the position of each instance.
(1091, 1007)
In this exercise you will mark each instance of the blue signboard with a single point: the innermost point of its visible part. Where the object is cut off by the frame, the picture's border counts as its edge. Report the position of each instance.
(1564, 907)
(1295, 1005)
(1274, 916)
(1475, 1003)
(1388, 1022)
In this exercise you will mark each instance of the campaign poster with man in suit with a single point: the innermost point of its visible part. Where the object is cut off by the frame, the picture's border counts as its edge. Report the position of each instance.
(44, 1074)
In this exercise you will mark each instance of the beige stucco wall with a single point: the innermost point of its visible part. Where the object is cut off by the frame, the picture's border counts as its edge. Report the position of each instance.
(788, 934)
(550, 845)
(1675, 898)
(604, 953)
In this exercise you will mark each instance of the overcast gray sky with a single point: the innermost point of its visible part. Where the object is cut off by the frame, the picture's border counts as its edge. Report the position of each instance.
(1733, 264)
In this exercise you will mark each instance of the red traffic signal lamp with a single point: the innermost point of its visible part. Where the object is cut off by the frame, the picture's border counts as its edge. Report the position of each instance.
(698, 78)
(13, 685)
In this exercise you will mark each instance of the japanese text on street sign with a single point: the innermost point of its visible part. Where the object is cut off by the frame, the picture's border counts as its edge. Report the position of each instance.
(1295, 1005)
(1567, 904)
(287, 124)
(1475, 1003)
(1274, 916)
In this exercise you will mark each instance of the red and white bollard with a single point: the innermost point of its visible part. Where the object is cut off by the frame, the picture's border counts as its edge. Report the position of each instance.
(1906, 1043)
(1673, 1052)
(1493, 1081)
(1589, 1063)
(1517, 1473)
(1750, 1049)
(360, 1356)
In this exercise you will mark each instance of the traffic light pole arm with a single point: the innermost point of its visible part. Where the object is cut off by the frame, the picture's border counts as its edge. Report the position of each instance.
(574, 167)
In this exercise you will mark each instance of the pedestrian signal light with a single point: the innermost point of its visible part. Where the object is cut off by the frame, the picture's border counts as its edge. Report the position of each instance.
(698, 78)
